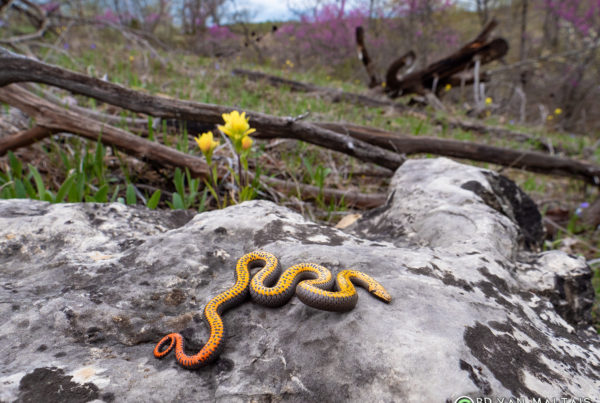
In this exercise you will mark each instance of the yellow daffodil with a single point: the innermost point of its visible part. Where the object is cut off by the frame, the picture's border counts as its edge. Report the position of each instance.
(237, 128)
(557, 111)
(246, 143)
(488, 101)
(207, 145)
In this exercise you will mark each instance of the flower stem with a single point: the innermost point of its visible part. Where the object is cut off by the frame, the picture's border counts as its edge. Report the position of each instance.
(240, 178)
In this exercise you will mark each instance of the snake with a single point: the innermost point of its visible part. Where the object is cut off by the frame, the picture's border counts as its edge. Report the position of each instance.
(310, 282)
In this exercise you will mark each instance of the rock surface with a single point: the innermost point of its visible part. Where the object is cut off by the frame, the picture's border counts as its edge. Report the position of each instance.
(88, 289)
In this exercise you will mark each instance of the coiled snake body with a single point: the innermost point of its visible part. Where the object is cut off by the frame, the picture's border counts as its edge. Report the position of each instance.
(269, 287)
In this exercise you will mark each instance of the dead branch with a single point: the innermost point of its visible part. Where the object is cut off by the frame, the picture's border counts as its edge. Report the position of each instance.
(24, 138)
(364, 57)
(334, 94)
(16, 68)
(52, 119)
(521, 159)
(43, 26)
(435, 76)
(370, 101)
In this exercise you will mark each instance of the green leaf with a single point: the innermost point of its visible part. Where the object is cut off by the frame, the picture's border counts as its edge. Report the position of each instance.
(178, 180)
(99, 161)
(177, 202)
(39, 182)
(64, 188)
(154, 199)
(101, 195)
(20, 192)
(150, 129)
(203, 200)
(76, 193)
(130, 194)
(16, 167)
(29, 189)
(115, 194)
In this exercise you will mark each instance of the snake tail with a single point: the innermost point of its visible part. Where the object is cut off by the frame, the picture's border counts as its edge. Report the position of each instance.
(345, 298)
(212, 316)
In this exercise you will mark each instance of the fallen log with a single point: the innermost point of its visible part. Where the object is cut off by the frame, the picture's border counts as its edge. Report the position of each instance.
(371, 101)
(384, 149)
(434, 77)
(52, 119)
(521, 159)
(334, 94)
(15, 68)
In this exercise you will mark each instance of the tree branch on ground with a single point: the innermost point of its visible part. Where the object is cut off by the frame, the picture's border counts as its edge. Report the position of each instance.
(44, 22)
(379, 147)
(16, 68)
(338, 95)
(433, 78)
(53, 119)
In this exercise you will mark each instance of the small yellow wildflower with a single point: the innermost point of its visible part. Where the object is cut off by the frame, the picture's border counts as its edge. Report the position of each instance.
(207, 145)
(246, 143)
(236, 127)
(550, 117)
(383, 84)
(448, 87)
(206, 142)
(131, 58)
(289, 63)
(557, 111)
(488, 101)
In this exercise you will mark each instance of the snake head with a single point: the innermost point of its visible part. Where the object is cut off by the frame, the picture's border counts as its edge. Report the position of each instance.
(381, 293)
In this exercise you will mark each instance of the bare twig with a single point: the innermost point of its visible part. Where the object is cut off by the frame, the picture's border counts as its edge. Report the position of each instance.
(34, 35)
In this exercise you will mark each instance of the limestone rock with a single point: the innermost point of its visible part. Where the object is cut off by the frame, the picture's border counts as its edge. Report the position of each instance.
(88, 289)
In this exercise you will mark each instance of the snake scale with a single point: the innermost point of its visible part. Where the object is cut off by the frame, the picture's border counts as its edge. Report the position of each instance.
(269, 287)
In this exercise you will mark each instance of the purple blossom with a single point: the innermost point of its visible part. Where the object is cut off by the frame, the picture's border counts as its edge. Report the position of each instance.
(93, 46)
(582, 206)
(50, 7)
(152, 18)
(329, 29)
(108, 16)
(582, 14)
(218, 33)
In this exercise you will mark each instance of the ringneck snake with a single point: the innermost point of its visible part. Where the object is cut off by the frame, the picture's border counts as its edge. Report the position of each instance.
(311, 282)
